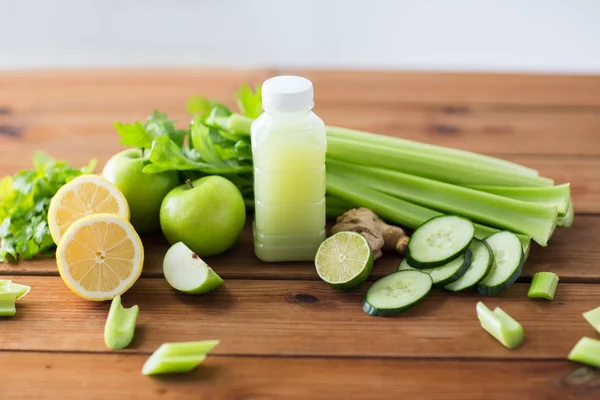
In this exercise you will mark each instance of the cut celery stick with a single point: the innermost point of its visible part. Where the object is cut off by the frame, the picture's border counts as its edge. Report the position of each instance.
(543, 286)
(500, 325)
(558, 196)
(18, 290)
(424, 148)
(120, 325)
(393, 209)
(456, 171)
(586, 351)
(178, 358)
(567, 220)
(535, 220)
(7, 304)
(593, 317)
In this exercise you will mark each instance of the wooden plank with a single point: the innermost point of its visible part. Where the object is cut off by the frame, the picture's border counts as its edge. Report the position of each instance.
(19, 88)
(77, 90)
(71, 376)
(481, 128)
(460, 88)
(572, 254)
(253, 317)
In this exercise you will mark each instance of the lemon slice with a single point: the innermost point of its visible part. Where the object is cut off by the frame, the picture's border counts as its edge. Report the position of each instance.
(85, 195)
(100, 256)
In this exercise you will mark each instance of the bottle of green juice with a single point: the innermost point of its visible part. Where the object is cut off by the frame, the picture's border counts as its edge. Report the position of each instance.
(288, 146)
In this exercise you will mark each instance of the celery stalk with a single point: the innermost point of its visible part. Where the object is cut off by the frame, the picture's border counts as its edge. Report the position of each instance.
(120, 325)
(586, 351)
(593, 317)
(543, 286)
(7, 304)
(18, 290)
(424, 148)
(393, 209)
(558, 196)
(535, 220)
(500, 325)
(456, 171)
(567, 220)
(177, 358)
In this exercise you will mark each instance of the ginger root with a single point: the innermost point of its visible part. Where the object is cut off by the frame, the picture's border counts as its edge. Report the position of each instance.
(379, 235)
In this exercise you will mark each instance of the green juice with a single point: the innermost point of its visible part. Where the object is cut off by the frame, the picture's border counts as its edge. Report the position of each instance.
(289, 146)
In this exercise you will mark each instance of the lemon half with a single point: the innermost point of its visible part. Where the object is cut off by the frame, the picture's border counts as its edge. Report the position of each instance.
(100, 256)
(85, 195)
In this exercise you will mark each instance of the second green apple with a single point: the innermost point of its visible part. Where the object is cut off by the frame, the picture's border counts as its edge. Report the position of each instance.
(207, 215)
(144, 192)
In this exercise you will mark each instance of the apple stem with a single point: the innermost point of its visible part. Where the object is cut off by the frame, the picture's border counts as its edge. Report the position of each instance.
(189, 182)
(142, 151)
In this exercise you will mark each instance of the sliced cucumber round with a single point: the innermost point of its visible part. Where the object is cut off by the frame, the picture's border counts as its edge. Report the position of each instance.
(481, 263)
(397, 292)
(439, 241)
(447, 273)
(507, 265)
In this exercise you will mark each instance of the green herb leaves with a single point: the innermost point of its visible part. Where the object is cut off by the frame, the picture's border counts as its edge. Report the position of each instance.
(24, 201)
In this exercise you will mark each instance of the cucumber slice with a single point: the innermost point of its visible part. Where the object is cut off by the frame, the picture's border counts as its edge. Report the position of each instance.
(481, 264)
(397, 292)
(186, 272)
(439, 241)
(447, 273)
(507, 265)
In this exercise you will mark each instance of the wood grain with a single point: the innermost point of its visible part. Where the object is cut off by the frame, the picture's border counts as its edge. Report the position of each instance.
(572, 254)
(73, 376)
(480, 128)
(254, 317)
(96, 88)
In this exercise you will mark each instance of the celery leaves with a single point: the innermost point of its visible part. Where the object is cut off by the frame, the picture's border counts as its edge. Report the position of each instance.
(24, 201)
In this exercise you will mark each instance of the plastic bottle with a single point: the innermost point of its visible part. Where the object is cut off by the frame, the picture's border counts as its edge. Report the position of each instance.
(288, 146)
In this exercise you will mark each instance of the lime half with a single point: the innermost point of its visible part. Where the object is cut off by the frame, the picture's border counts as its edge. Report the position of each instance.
(344, 260)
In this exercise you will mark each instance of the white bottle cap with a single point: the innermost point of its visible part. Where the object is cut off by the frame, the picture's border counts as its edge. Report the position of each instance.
(287, 94)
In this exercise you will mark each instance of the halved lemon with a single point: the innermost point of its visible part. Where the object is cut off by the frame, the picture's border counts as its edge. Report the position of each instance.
(85, 195)
(100, 256)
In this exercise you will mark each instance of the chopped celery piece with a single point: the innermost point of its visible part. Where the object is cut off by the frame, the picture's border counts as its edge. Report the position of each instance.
(500, 325)
(7, 304)
(177, 358)
(535, 220)
(543, 286)
(120, 325)
(393, 209)
(593, 317)
(586, 351)
(567, 220)
(456, 171)
(18, 290)
(558, 196)
(424, 148)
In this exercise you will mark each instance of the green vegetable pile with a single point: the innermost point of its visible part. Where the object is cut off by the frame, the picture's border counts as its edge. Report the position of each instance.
(405, 182)
(24, 201)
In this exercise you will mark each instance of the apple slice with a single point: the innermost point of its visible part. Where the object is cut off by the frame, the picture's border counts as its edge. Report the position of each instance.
(186, 272)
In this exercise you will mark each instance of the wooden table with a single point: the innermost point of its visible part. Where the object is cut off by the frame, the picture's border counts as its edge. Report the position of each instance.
(284, 333)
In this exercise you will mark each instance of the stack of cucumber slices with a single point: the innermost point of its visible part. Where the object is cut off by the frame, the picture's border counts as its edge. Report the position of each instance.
(443, 252)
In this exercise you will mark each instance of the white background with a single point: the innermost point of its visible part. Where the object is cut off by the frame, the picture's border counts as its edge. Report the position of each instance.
(472, 35)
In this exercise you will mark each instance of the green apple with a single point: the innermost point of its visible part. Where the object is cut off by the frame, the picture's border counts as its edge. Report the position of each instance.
(144, 192)
(186, 272)
(207, 215)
